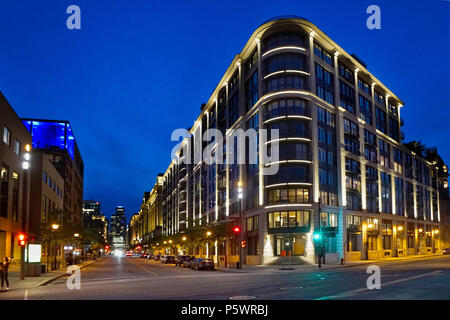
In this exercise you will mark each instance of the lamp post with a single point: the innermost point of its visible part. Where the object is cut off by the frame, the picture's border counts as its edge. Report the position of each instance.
(369, 228)
(208, 234)
(240, 197)
(55, 227)
(26, 221)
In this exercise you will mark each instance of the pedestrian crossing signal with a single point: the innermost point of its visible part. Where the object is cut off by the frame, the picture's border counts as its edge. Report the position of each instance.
(22, 239)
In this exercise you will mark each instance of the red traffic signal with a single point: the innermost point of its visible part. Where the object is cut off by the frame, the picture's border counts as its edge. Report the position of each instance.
(106, 247)
(236, 229)
(22, 239)
(243, 244)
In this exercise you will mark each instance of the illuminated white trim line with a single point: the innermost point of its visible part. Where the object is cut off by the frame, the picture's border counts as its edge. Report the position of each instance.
(269, 95)
(288, 161)
(286, 71)
(289, 183)
(288, 117)
(288, 205)
(288, 139)
(283, 48)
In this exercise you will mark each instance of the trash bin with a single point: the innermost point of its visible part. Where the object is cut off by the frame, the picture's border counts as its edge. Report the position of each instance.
(43, 268)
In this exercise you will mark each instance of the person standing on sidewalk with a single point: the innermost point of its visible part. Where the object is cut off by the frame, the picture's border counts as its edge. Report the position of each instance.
(4, 272)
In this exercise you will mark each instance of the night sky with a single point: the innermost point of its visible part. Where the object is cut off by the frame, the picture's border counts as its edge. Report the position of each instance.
(137, 70)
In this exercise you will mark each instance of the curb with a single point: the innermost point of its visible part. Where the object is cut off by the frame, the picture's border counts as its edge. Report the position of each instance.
(431, 257)
(46, 282)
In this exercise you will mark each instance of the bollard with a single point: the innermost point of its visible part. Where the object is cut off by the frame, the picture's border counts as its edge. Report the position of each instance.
(342, 261)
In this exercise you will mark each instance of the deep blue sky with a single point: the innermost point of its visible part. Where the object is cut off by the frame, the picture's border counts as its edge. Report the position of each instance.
(139, 69)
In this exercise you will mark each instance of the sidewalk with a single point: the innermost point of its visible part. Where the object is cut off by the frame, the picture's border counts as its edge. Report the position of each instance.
(314, 267)
(33, 282)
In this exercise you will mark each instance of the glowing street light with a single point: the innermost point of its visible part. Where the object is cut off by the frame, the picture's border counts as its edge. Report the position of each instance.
(76, 235)
(184, 238)
(170, 241)
(55, 226)
(208, 233)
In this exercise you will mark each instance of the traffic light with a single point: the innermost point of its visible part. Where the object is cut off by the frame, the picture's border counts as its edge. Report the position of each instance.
(22, 239)
(243, 244)
(236, 229)
(106, 247)
(317, 236)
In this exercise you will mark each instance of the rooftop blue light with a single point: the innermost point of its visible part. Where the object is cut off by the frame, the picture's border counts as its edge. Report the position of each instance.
(51, 135)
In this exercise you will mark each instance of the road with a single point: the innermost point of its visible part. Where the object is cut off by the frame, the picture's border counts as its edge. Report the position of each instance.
(135, 278)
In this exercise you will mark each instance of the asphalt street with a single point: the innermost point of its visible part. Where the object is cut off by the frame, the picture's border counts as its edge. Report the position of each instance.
(136, 278)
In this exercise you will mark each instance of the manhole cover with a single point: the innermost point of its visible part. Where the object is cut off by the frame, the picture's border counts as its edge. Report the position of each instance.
(242, 297)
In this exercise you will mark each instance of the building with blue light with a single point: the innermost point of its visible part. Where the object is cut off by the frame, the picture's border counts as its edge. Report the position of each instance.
(55, 138)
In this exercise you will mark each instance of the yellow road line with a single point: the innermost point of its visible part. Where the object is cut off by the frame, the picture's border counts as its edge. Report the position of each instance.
(143, 268)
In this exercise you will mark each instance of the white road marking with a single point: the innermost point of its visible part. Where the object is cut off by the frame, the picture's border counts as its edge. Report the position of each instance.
(383, 284)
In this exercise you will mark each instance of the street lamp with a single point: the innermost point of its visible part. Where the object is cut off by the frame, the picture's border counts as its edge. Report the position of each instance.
(208, 233)
(76, 235)
(184, 238)
(240, 197)
(55, 227)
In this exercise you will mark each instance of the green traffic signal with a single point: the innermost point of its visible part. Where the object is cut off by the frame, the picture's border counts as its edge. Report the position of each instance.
(317, 236)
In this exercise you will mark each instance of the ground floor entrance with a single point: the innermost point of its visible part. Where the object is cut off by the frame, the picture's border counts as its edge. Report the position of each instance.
(290, 245)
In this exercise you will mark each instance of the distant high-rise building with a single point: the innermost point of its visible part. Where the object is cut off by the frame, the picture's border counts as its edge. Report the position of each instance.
(118, 228)
(93, 219)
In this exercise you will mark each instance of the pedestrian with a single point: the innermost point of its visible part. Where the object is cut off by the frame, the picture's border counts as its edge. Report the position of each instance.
(4, 272)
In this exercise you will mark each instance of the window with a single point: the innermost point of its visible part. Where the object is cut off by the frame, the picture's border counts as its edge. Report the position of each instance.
(17, 147)
(323, 54)
(379, 99)
(346, 73)
(253, 223)
(233, 108)
(45, 177)
(347, 95)
(292, 195)
(369, 137)
(283, 39)
(381, 124)
(4, 179)
(353, 221)
(328, 219)
(287, 61)
(398, 160)
(385, 192)
(284, 83)
(252, 61)
(324, 84)
(6, 135)
(363, 86)
(291, 219)
(252, 90)
(365, 109)
(326, 117)
(15, 197)
(284, 107)
(384, 152)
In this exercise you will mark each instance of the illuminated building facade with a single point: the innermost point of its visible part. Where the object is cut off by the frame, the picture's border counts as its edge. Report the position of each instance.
(93, 219)
(14, 180)
(147, 223)
(344, 170)
(55, 138)
(118, 228)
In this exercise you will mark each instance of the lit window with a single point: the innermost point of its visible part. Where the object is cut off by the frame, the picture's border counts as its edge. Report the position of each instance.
(17, 147)
(6, 135)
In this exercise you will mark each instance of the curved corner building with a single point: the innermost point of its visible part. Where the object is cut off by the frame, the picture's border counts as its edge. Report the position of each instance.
(343, 169)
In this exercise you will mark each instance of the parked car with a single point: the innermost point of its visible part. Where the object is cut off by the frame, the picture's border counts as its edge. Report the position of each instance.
(180, 259)
(200, 264)
(157, 257)
(150, 256)
(446, 251)
(136, 255)
(187, 262)
(167, 259)
(129, 254)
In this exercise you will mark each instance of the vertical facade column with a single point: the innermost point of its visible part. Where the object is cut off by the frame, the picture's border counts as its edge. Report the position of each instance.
(227, 167)
(314, 142)
(340, 157)
(260, 125)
